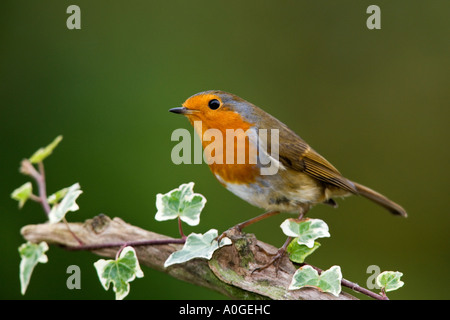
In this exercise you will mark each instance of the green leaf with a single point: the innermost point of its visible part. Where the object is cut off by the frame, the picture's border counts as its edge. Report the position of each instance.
(181, 202)
(67, 204)
(306, 230)
(31, 254)
(197, 246)
(389, 280)
(22, 193)
(328, 281)
(299, 252)
(43, 153)
(303, 277)
(57, 196)
(119, 272)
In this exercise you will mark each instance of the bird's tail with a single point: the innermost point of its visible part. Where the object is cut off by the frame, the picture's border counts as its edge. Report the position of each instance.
(380, 199)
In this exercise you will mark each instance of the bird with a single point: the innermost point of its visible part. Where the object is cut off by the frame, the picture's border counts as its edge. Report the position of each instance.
(302, 178)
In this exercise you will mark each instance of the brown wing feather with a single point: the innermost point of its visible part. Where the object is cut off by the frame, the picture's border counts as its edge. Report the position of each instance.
(296, 154)
(321, 169)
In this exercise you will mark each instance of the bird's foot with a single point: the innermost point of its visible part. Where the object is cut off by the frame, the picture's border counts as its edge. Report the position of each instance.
(275, 261)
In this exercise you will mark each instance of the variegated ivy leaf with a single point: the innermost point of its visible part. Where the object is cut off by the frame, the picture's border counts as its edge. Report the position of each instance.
(59, 210)
(328, 281)
(306, 230)
(119, 272)
(22, 193)
(180, 202)
(31, 254)
(197, 245)
(389, 280)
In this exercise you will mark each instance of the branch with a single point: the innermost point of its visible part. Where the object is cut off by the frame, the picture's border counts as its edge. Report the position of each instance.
(229, 271)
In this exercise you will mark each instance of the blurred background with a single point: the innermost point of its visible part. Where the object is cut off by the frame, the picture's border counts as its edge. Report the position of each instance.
(375, 103)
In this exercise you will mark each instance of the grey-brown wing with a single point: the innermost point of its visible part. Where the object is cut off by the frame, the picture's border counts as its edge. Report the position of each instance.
(296, 154)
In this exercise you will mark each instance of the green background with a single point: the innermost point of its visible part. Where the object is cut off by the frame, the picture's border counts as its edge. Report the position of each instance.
(374, 102)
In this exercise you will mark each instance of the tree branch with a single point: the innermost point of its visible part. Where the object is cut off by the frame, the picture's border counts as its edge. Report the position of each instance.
(229, 271)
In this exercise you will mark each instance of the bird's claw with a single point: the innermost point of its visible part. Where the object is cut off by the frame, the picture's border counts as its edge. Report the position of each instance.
(275, 261)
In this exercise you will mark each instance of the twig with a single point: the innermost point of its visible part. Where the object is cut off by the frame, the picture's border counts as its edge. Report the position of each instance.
(136, 243)
(28, 168)
(43, 188)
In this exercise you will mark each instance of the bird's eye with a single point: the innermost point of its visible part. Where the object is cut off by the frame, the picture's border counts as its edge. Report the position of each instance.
(214, 104)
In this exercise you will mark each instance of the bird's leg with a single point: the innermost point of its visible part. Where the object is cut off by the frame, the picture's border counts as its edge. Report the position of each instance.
(263, 216)
(245, 224)
(277, 257)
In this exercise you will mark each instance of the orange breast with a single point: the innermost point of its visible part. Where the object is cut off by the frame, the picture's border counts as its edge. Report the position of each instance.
(235, 155)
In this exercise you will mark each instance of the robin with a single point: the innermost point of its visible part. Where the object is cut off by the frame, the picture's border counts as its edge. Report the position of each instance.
(303, 177)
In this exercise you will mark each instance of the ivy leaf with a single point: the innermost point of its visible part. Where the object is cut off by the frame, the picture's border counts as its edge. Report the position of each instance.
(43, 153)
(197, 245)
(299, 252)
(389, 280)
(303, 277)
(67, 204)
(119, 272)
(31, 254)
(306, 230)
(22, 194)
(328, 281)
(181, 202)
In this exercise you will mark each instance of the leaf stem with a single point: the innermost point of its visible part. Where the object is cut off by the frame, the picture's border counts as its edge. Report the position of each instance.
(71, 232)
(125, 244)
(180, 228)
(383, 293)
(35, 198)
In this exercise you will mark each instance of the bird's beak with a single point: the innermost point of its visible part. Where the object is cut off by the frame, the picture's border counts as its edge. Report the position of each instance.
(181, 110)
